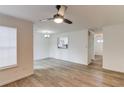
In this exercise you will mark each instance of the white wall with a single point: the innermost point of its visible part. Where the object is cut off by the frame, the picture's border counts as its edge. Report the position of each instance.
(77, 50)
(40, 46)
(113, 54)
(24, 50)
(98, 46)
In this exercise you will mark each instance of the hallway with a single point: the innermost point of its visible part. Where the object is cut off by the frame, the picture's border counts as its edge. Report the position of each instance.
(97, 63)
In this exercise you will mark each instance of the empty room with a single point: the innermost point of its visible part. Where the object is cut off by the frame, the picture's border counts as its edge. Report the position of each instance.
(61, 46)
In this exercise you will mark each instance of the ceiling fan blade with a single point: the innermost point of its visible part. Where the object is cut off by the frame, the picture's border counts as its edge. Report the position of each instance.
(47, 19)
(67, 21)
(61, 9)
(58, 7)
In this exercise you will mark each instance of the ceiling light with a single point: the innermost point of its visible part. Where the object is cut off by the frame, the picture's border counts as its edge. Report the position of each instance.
(46, 35)
(58, 20)
(99, 41)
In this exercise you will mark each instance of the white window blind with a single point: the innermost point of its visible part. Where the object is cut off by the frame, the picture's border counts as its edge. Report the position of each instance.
(8, 46)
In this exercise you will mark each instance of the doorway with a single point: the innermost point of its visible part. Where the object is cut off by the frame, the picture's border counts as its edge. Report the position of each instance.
(95, 49)
(98, 49)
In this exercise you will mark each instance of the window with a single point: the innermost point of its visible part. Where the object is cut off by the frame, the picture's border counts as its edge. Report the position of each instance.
(8, 52)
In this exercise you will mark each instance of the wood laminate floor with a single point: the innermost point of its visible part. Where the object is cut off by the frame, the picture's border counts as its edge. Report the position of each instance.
(58, 73)
(97, 63)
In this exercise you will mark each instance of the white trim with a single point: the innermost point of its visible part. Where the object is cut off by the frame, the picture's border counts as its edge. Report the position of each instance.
(7, 67)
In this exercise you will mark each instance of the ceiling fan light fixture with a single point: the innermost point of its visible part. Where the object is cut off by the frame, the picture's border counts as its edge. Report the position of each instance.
(58, 20)
(59, 17)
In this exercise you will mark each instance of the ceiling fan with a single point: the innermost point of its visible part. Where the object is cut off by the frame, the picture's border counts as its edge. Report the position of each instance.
(59, 17)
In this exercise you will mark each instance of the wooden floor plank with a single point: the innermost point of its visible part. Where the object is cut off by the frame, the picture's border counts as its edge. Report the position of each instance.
(58, 73)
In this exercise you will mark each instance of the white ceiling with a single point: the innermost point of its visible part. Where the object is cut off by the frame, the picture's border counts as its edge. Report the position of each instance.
(83, 16)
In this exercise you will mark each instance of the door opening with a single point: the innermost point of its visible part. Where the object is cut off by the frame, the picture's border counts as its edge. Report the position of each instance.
(95, 49)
